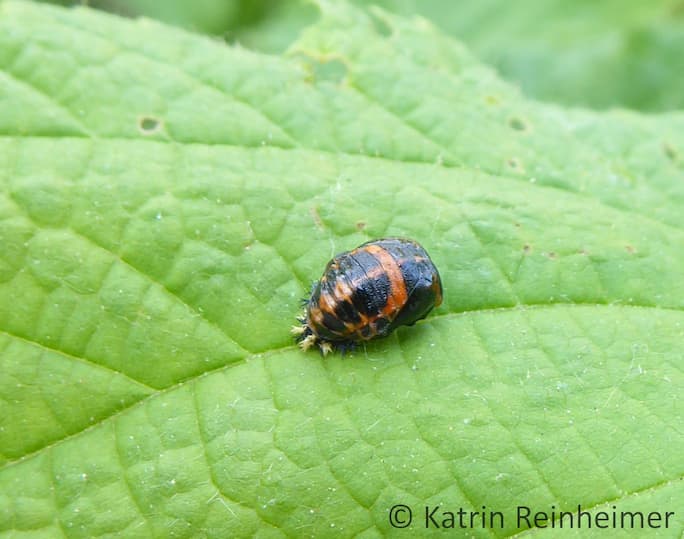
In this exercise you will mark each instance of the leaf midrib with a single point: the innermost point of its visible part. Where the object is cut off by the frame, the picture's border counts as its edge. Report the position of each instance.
(293, 347)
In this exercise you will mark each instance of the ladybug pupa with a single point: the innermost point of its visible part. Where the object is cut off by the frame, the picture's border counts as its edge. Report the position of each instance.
(367, 293)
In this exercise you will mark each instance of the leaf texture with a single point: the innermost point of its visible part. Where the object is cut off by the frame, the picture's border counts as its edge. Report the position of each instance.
(165, 203)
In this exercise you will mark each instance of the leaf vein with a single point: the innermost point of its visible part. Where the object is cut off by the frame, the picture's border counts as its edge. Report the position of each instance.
(118, 258)
(273, 351)
(84, 360)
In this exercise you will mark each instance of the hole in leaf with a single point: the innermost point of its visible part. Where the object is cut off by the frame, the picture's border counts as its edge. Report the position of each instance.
(360, 226)
(149, 124)
(518, 124)
(527, 248)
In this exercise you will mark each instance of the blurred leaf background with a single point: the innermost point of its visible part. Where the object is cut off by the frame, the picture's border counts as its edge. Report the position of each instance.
(590, 53)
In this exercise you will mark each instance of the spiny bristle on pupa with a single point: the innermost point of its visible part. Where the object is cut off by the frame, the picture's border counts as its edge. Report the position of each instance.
(307, 342)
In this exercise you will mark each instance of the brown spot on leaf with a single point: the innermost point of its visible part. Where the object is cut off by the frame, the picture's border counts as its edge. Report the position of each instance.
(313, 210)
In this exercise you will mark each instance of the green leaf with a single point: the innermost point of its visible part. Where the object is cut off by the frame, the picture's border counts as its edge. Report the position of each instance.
(167, 200)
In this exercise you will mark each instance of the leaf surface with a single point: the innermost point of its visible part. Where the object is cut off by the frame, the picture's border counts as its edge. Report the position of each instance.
(166, 202)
